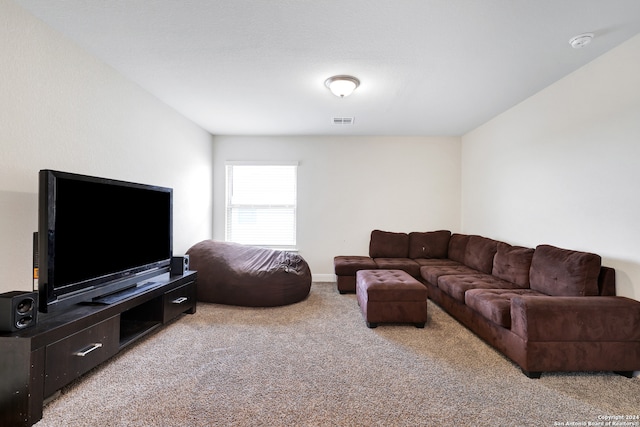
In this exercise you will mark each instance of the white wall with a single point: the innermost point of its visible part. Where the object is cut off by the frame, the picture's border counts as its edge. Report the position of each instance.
(562, 167)
(348, 186)
(62, 109)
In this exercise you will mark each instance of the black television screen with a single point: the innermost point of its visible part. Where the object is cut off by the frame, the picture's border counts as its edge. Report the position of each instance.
(97, 236)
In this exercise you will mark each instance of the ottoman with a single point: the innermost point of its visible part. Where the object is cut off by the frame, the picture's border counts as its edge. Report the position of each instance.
(391, 296)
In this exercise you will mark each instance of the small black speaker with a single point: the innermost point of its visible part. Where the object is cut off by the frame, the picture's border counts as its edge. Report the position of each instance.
(18, 310)
(179, 265)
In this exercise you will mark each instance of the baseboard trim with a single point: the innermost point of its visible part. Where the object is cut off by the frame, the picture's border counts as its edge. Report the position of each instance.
(323, 278)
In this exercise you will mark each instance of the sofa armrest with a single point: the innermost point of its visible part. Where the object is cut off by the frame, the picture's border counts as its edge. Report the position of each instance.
(582, 318)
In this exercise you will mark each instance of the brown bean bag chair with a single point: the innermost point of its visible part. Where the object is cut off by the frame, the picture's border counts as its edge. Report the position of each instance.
(234, 274)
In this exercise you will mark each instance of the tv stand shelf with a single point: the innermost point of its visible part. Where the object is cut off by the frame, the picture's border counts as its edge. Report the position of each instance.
(37, 362)
(131, 331)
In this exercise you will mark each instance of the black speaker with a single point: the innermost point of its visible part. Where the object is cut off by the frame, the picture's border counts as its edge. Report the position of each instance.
(18, 310)
(179, 265)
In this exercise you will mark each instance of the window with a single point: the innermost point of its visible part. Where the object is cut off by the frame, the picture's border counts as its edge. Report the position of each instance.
(261, 204)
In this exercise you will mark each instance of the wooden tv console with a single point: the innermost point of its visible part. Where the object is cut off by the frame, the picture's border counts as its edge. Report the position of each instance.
(37, 362)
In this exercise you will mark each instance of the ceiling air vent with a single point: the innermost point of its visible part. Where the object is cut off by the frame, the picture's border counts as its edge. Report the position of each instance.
(343, 120)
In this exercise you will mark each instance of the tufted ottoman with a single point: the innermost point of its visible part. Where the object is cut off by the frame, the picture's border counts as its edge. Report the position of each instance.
(391, 296)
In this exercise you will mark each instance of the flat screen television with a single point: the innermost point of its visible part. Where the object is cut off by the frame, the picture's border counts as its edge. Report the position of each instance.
(97, 236)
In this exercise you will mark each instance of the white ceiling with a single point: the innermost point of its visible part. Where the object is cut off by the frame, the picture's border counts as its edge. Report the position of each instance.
(427, 67)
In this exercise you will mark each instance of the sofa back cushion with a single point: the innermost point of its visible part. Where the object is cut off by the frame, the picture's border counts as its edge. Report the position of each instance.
(607, 282)
(562, 272)
(385, 244)
(431, 244)
(479, 253)
(512, 263)
(458, 246)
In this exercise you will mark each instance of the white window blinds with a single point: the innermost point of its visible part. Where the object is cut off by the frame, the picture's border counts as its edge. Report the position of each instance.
(261, 204)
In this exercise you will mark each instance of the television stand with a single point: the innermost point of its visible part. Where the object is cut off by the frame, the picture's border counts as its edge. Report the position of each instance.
(125, 293)
(37, 362)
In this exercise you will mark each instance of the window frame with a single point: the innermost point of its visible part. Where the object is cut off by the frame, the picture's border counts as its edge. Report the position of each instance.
(230, 206)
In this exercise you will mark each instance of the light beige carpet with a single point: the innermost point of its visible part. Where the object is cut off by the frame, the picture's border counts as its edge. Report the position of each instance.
(315, 363)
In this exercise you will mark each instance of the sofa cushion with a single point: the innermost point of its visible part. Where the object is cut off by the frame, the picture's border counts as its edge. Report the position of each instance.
(562, 272)
(386, 244)
(607, 281)
(435, 261)
(458, 246)
(455, 286)
(479, 253)
(431, 244)
(345, 265)
(404, 264)
(431, 273)
(495, 304)
(512, 263)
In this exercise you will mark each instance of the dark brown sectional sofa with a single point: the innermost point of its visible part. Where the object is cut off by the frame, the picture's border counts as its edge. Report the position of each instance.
(547, 309)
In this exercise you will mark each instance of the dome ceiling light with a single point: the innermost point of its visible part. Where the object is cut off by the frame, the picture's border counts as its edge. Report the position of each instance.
(342, 86)
(581, 40)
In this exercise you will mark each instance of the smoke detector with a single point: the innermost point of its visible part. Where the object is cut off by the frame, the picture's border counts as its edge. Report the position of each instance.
(581, 40)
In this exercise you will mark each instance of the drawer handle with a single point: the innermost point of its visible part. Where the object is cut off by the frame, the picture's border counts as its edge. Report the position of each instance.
(83, 353)
(179, 300)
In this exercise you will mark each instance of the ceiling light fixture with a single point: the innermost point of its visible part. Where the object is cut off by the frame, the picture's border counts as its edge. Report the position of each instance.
(581, 40)
(342, 85)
